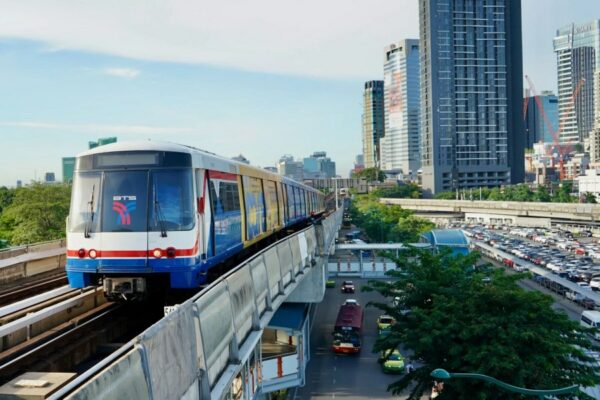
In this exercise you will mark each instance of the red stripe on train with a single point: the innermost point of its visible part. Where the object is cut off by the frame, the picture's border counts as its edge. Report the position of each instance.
(134, 253)
(222, 175)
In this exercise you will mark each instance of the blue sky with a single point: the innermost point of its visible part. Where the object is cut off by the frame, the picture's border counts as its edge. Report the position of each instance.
(269, 79)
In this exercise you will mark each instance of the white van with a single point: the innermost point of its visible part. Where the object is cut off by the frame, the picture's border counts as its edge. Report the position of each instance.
(591, 319)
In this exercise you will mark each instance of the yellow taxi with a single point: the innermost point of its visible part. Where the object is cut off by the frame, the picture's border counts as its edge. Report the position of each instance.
(384, 322)
(391, 361)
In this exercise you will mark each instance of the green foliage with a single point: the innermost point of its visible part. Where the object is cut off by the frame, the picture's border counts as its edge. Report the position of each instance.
(385, 223)
(462, 323)
(407, 191)
(6, 196)
(371, 174)
(445, 196)
(36, 213)
(589, 198)
(520, 192)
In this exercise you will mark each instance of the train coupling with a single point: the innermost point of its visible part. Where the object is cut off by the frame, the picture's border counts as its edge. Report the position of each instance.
(124, 288)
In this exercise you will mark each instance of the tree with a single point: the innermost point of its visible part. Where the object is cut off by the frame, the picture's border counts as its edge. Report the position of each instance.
(6, 196)
(445, 196)
(589, 198)
(371, 174)
(405, 191)
(464, 323)
(36, 213)
(379, 221)
(409, 229)
(542, 194)
(563, 194)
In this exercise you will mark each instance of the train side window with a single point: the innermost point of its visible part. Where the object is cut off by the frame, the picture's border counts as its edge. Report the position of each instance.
(291, 202)
(225, 196)
(229, 194)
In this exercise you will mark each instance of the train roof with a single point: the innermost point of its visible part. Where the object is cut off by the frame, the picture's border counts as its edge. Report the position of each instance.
(206, 158)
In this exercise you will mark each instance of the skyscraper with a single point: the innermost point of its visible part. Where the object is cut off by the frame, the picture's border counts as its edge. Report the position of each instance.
(400, 146)
(472, 94)
(318, 165)
(372, 123)
(290, 168)
(595, 132)
(577, 49)
(541, 118)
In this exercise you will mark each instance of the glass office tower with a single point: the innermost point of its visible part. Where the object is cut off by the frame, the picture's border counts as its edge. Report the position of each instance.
(372, 123)
(472, 94)
(400, 146)
(577, 49)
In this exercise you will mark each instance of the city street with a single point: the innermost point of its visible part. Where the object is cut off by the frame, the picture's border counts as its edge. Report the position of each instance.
(350, 376)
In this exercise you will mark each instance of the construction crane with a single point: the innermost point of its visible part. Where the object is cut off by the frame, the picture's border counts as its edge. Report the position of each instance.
(562, 148)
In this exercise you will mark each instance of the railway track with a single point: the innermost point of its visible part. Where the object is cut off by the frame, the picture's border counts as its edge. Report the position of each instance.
(78, 343)
(30, 287)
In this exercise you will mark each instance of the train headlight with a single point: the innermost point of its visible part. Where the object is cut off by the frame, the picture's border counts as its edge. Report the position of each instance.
(81, 253)
(92, 253)
(157, 253)
(171, 252)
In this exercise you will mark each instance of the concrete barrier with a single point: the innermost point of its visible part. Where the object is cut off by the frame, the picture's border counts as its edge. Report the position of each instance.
(197, 350)
(31, 260)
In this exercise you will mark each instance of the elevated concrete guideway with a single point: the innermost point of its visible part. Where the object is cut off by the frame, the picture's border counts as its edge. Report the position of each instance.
(583, 213)
(211, 346)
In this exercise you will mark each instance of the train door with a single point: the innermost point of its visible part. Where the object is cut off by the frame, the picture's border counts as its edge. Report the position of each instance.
(203, 211)
(226, 218)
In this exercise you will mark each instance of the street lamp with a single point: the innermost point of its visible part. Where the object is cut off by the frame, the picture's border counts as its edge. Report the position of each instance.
(442, 374)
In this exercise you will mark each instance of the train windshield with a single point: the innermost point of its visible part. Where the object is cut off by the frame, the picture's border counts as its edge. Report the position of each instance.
(85, 198)
(171, 200)
(132, 201)
(124, 201)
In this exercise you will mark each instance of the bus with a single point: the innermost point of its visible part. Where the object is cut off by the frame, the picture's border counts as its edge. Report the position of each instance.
(347, 330)
(591, 319)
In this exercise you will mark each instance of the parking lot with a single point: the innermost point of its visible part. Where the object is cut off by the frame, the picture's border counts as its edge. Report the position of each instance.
(560, 252)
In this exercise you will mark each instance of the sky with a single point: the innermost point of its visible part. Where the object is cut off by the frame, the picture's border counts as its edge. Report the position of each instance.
(261, 78)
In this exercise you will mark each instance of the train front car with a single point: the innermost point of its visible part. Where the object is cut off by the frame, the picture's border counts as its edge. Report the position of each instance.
(134, 223)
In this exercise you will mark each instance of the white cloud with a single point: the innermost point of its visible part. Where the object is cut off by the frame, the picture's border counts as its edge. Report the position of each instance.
(333, 38)
(99, 128)
(128, 73)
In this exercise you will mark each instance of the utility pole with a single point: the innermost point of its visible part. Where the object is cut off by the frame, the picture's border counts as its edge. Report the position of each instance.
(336, 193)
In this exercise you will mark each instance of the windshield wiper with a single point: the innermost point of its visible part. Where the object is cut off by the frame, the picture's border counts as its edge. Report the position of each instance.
(90, 221)
(158, 217)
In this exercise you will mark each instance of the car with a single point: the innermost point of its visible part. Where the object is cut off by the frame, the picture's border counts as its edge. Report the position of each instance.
(385, 321)
(347, 287)
(330, 283)
(587, 303)
(392, 361)
(351, 302)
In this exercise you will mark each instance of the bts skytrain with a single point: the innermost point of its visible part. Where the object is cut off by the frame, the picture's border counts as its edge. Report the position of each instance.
(146, 214)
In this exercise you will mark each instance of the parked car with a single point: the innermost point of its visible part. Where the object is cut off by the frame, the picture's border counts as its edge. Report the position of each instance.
(587, 303)
(348, 287)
